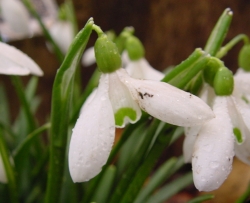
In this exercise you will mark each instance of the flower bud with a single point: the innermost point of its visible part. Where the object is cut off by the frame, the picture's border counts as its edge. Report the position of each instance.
(134, 48)
(107, 55)
(211, 69)
(223, 82)
(244, 57)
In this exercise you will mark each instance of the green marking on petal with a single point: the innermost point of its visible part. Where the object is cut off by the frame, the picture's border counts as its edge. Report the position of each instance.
(238, 135)
(122, 113)
(245, 99)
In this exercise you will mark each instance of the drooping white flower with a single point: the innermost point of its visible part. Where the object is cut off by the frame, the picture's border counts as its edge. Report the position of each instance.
(209, 144)
(63, 34)
(16, 16)
(15, 62)
(117, 101)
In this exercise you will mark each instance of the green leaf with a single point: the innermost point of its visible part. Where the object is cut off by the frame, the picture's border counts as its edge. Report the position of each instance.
(104, 187)
(61, 100)
(201, 198)
(171, 189)
(219, 32)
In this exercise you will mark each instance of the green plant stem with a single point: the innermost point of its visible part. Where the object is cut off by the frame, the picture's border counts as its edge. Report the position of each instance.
(12, 186)
(46, 33)
(219, 32)
(60, 108)
(223, 50)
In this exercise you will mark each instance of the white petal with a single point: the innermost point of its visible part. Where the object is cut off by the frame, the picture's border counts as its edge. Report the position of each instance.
(166, 102)
(3, 177)
(89, 100)
(62, 33)
(142, 70)
(93, 136)
(15, 62)
(214, 149)
(16, 16)
(189, 140)
(88, 57)
(242, 151)
(126, 110)
(125, 59)
(207, 94)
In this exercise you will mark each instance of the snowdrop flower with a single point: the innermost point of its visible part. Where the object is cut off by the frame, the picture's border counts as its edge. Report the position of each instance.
(15, 62)
(16, 16)
(211, 146)
(118, 100)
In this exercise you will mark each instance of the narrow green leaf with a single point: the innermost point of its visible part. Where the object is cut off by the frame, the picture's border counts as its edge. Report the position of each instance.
(171, 189)
(219, 32)
(157, 179)
(201, 198)
(4, 107)
(61, 100)
(104, 187)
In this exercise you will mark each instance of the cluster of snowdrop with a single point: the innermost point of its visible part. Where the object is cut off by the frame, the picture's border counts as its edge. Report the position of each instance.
(216, 122)
(119, 99)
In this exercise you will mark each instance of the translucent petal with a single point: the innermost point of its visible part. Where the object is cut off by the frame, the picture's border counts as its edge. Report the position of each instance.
(62, 33)
(16, 16)
(189, 140)
(166, 102)
(88, 57)
(126, 110)
(207, 94)
(242, 151)
(15, 62)
(93, 136)
(88, 100)
(214, 149)
(142, 70)
(3, 177)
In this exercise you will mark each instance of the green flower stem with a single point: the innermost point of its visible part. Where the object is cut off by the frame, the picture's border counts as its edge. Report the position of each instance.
(183, 66)
(61, 102)
(128, 175)
(125, 135)
(71, 15)
(219, 32)
(46, 33)
(223, 50)
(12, 186)
(98, 30)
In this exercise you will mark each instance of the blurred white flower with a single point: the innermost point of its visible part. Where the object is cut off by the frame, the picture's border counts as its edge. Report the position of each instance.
(15, 62)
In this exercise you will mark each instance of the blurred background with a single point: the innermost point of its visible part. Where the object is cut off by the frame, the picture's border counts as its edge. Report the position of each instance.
(169, 29)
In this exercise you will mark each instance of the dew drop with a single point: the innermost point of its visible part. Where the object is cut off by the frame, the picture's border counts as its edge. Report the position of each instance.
(214, 164)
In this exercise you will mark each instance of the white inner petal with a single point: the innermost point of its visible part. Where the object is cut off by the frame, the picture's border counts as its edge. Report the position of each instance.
(121, 99)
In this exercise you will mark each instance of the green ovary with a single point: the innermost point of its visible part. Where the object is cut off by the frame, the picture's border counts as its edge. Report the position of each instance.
(122, 113)
(238, 135)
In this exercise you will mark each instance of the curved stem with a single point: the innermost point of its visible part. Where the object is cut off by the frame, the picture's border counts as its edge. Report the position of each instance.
(223, 50)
